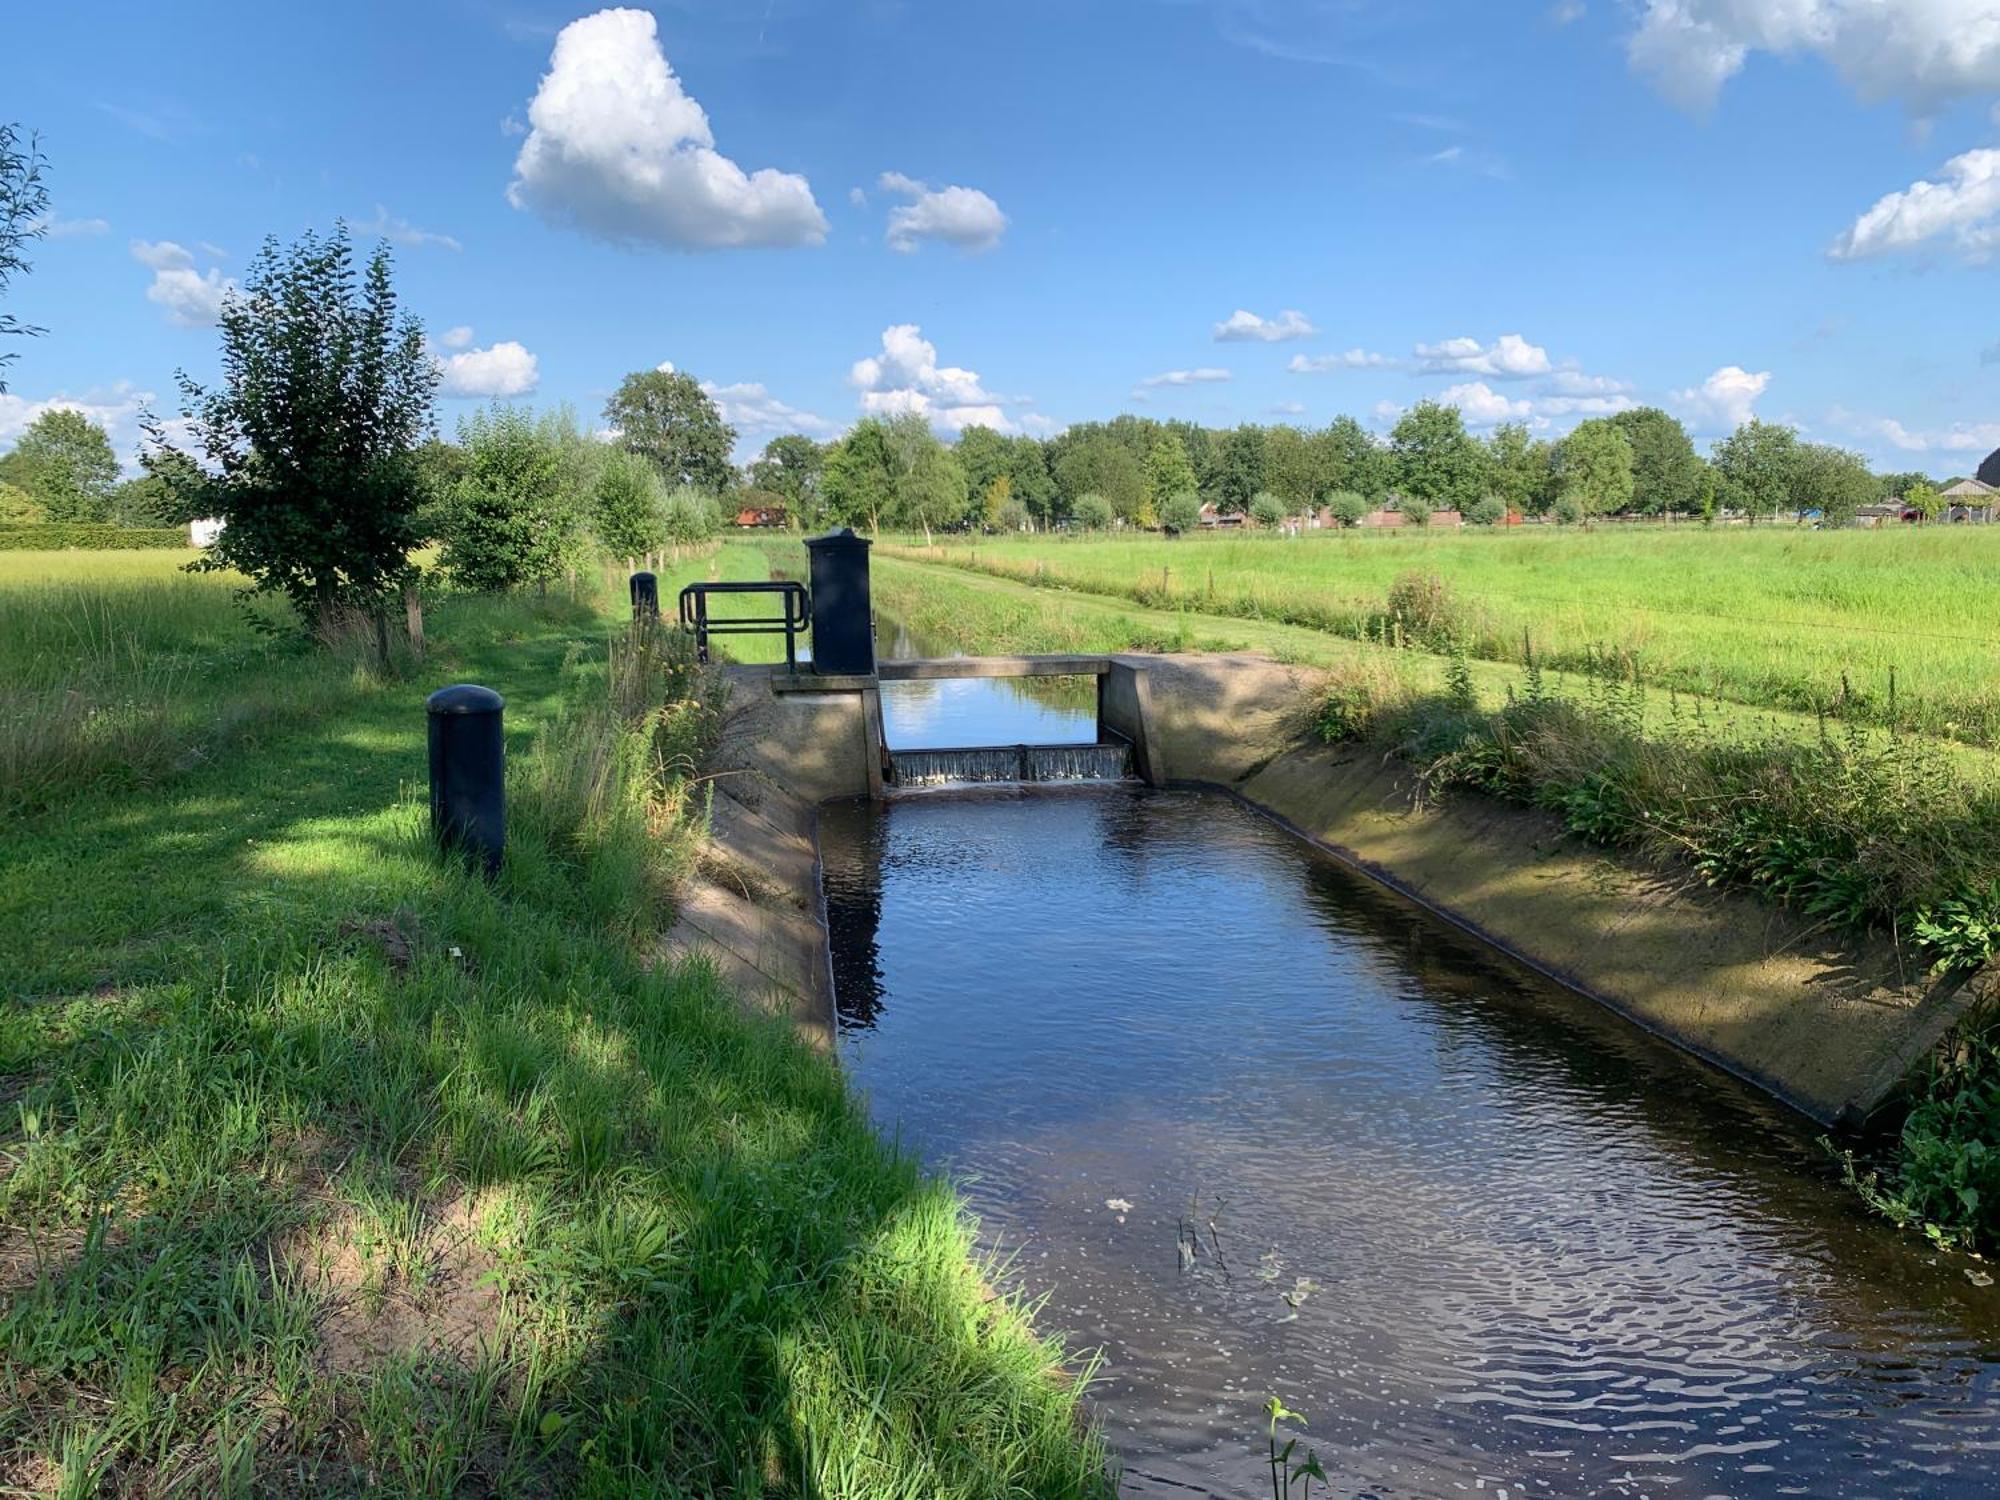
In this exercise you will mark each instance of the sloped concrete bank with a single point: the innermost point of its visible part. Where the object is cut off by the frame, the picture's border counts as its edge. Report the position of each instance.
(1831, 1026)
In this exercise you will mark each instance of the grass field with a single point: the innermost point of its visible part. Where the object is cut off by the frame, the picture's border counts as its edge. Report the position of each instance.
(327, 1167)
(1770, 617)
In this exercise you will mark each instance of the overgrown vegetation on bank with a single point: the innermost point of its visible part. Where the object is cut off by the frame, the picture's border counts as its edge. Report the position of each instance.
(327, 1165)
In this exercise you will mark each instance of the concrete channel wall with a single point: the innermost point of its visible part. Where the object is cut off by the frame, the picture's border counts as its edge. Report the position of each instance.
(1833, 1028)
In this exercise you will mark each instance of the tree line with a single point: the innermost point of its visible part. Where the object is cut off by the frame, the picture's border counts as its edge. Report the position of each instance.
(1160, 474)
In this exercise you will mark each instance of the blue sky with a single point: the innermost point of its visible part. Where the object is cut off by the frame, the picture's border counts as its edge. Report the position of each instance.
(1039, 213)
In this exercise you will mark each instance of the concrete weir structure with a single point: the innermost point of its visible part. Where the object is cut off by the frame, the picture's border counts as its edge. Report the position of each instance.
(1828, 1025)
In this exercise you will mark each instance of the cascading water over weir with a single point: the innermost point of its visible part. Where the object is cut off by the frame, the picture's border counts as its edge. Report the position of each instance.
(1010, 763)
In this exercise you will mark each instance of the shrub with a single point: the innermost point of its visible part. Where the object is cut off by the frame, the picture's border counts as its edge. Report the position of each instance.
(1488, 512)
(1181, 513)
(1093, 512)
(1415, 512)
(690, 515)
(626, 505)
(1347, 507)
(1568, 510)
(56, 536)
(1424, 604)
(1266, 509)
(1946, 1177)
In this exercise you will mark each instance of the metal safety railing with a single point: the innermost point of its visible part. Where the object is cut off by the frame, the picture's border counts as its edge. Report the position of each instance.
(792, 623)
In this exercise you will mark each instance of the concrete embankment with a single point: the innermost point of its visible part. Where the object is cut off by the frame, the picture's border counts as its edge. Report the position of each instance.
(1832, 1026)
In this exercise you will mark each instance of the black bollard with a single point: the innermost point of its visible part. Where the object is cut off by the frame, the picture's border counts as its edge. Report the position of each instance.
(645, 597)
(468, 774)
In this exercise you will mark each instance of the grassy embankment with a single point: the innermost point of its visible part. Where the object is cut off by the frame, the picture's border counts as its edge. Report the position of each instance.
(1768, 617)
(325, 1165)
(1856, 829)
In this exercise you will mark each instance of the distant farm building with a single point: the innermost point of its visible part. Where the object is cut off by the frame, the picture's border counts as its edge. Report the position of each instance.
(1971, 500)
(752, 516)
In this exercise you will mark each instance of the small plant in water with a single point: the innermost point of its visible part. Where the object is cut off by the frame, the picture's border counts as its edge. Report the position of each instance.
(1289, 1478)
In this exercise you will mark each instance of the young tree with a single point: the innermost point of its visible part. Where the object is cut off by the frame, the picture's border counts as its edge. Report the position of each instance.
(1488, 512)
(995, 503)
(1101, 465)
(1181, 513)
(1033, 485)
(1594, 467)
(1267, 510)
(667, 416)
(1169, 474)
(983, 454)
(1665, 468)
(1347, 507)
(1436, 460)
(860, 478)
(1093, 512)
(512, 518)
(24, 202)
(66, 463)
(1755, 465)
(627, 505)
(931, 490)
(307, 447)
(1923, 498)
(1294, 467)
(690, 515)
(1415, 510)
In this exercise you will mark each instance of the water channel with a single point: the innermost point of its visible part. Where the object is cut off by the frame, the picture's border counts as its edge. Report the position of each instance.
(1254, 1126)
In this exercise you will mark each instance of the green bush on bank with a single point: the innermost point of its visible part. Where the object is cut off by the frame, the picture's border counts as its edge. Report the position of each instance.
(58, 536)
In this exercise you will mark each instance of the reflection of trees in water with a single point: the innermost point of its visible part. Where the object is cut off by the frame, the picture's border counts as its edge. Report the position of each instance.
(851, 838)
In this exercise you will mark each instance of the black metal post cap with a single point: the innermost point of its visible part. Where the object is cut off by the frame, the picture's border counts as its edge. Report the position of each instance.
(465, 698)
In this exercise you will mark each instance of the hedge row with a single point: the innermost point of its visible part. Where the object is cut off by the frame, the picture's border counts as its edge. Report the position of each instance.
(56, 536)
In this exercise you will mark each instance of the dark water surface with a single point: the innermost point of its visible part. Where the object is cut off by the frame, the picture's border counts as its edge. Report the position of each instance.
(1485, 1237)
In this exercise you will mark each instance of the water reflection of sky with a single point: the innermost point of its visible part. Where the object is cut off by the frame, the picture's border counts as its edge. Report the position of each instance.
(952, 712)
(1488, 1237)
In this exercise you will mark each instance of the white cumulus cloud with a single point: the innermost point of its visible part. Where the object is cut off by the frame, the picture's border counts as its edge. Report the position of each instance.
(1962, 205)
(116, 408)
(1176, 379)
(749, 408)
(1509, 357)
(905, 377)
(617, 148)
(1924, 53)
(1724, 401)
(1246, 327)
(1482, 406)
(1352, 359)
(56, 227)
(960, 216)
(1960, 437)
(193, 299)
(500, 371)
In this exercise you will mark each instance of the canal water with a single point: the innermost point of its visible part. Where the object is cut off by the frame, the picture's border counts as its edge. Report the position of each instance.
(1255, 1127)
(954, 712)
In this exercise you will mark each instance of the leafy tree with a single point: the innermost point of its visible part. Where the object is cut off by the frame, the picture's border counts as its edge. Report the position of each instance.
(1013, 515)
(1521, 468)
(1266, 509)
(984, 455)
(1415, 510)
(627, 505)
(1436, 460)
(1755, 465)
(1103, 466)
(1568, 510)
(931, 491)
(1488, 512)
(1831, 480)
(513, 517)
(1240, 462)
(308, 444)
(1594, 467)
(1092, 512)
(1893, 487)
(65, 461)
(1923, 498)
(1295, 467)
(1181, 513)
(1031, 481)
(1666, 470)
(690, 515)
(439, 467)
(996, 500)
(24, 201)
(791, 467)
(1361, 465)
(1169, 474)
(17, 506)
(1347, 507)
(145, 501)
(667, 416)
(860, 479)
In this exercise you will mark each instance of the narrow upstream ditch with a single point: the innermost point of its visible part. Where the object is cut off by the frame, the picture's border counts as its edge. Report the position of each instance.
(1254, 1127)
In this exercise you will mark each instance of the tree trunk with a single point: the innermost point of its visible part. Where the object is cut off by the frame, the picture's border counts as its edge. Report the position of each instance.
(413, 619)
